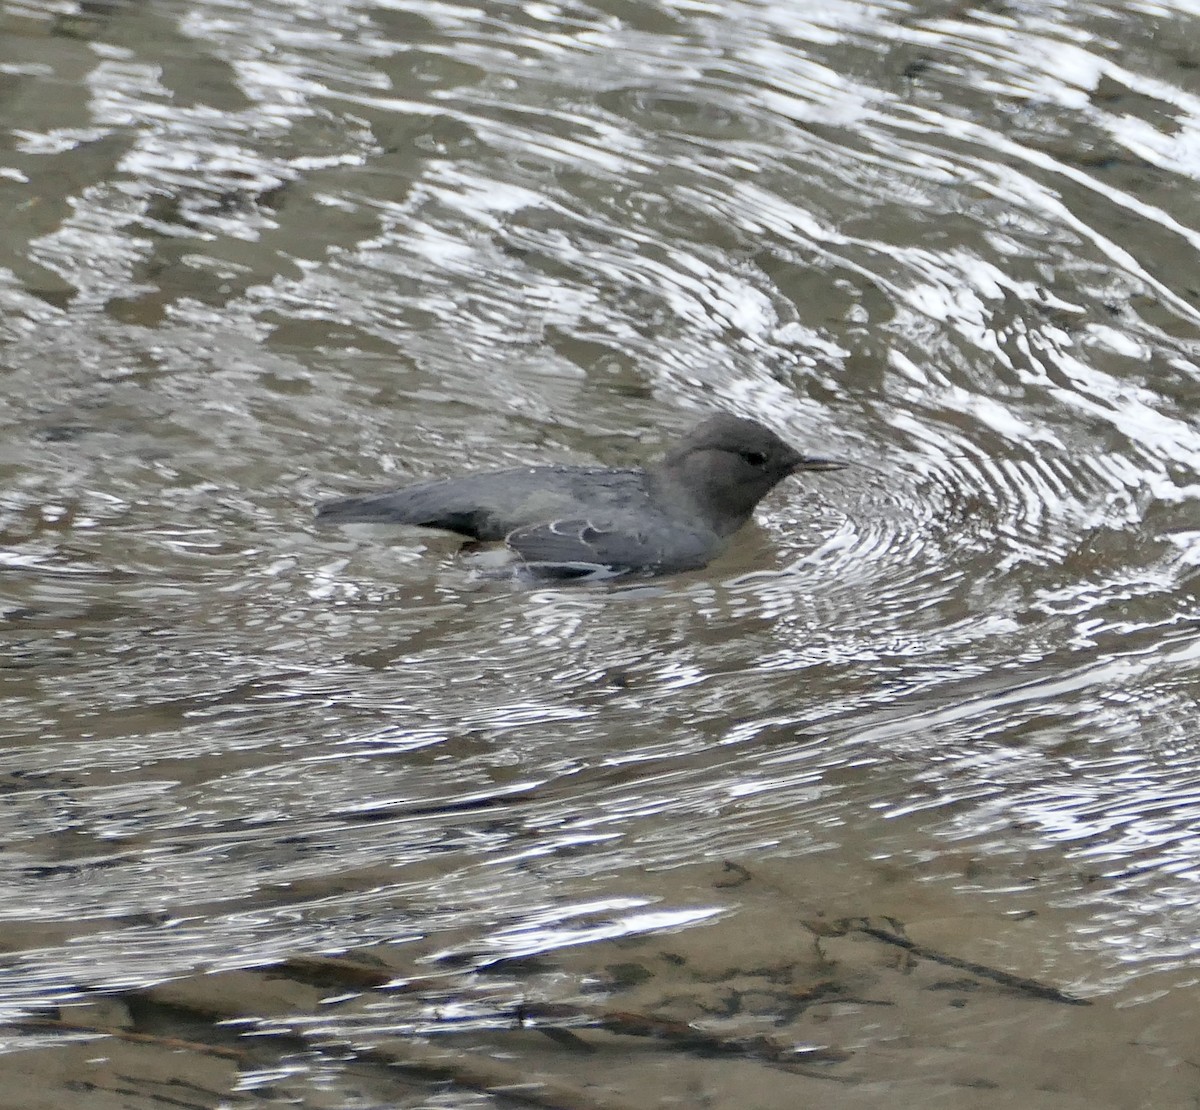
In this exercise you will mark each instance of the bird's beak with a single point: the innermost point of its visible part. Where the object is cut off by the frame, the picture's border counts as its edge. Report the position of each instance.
(817, 462)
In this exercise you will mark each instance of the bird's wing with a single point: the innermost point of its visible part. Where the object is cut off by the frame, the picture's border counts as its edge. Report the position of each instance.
(579, 546)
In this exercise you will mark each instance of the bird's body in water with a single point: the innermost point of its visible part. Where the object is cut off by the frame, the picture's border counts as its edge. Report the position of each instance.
(573, 521)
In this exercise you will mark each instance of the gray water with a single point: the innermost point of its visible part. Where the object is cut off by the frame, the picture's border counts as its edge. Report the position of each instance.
(257, 254)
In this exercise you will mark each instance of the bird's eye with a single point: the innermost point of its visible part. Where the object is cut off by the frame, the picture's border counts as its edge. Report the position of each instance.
(754, 458)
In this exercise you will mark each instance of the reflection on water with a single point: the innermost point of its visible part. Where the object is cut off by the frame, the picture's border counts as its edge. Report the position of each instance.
(262, 253)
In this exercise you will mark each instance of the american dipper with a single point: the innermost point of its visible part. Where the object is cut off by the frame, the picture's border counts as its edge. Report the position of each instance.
(575, 521)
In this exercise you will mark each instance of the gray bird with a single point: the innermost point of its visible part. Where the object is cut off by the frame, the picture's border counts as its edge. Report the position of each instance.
(575, 521)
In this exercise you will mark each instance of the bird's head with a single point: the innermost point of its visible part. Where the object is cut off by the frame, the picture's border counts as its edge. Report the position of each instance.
(727, 464)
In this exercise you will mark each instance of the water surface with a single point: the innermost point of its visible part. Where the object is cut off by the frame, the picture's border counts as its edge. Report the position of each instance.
(260, 254)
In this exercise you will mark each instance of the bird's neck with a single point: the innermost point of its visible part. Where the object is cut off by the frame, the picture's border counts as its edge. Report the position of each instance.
(698, 499)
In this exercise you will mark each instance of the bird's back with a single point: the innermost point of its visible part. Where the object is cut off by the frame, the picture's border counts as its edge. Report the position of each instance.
(491, 505)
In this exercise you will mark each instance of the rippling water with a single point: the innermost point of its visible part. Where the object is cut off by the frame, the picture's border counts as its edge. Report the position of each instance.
(258, 254)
